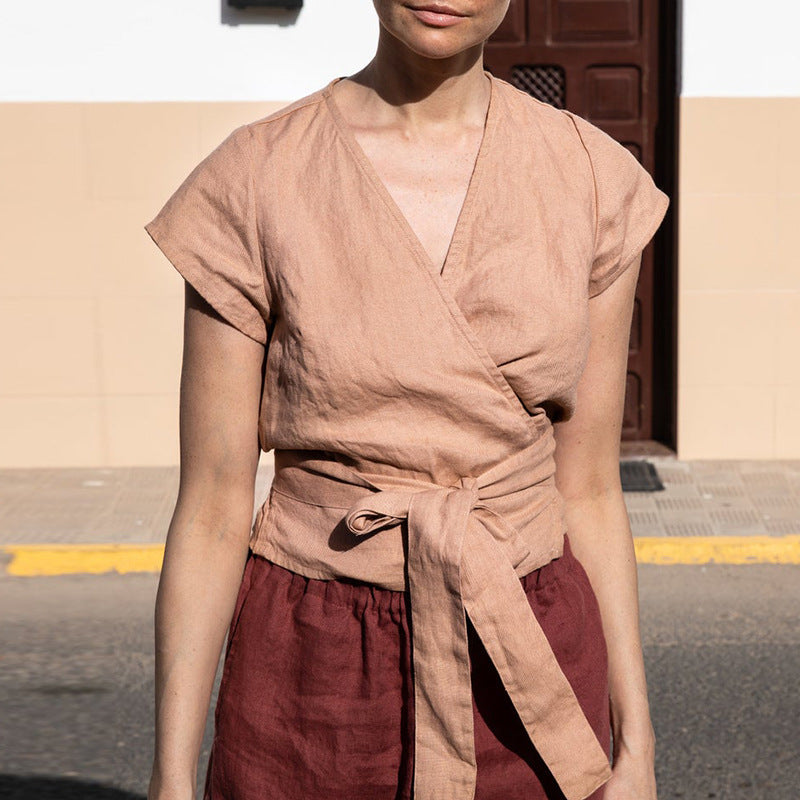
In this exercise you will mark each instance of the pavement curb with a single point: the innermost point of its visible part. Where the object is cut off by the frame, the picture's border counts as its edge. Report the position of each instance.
(27, 560)
(69, 559)
(753, 549)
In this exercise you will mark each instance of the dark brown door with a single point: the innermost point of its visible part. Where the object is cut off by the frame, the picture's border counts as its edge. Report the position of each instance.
(599, 59)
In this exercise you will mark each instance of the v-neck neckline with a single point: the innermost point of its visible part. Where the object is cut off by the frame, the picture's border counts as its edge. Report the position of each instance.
(462, 220)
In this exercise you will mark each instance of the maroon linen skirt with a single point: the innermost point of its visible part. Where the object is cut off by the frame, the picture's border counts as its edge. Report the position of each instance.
(316, 697)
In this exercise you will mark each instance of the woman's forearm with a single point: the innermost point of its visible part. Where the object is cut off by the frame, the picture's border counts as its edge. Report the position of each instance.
(203, 563)
(599, 531)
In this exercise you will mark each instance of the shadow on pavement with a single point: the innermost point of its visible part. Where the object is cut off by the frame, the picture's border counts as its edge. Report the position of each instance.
(40, 787)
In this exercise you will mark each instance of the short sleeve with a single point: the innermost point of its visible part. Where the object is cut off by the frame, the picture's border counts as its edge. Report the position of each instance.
(629, 206)
(207, 229)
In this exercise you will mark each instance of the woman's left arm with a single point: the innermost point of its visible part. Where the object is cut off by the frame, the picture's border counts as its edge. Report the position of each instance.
(587, 475)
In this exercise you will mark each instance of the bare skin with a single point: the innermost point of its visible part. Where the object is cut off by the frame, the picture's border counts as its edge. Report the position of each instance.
(208, 536)
(424, 154)
(587, 475)
(417, 110)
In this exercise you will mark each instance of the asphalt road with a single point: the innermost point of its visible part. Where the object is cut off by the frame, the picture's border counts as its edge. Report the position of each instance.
(722, 649)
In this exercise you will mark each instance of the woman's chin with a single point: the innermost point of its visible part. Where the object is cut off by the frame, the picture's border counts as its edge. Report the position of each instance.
(437, 43)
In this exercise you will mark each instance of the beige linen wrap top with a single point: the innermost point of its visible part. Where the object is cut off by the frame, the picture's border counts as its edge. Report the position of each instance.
(410, 409)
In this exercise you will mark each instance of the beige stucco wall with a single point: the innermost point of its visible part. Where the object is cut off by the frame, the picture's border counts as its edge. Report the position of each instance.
(739, 278)
(91, 312)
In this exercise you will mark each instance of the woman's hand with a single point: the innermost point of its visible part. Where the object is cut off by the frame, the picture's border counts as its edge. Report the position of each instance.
(159, 791)
(633, 773)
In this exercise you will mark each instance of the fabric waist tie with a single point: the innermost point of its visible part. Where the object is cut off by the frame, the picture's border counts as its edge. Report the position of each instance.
(461, 558)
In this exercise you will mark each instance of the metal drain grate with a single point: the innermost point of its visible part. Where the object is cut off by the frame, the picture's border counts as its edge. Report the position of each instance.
(639, 476)
(546, 82)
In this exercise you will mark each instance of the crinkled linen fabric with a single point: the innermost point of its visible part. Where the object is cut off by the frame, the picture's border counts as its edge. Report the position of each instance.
(286, 231)
(410, 408)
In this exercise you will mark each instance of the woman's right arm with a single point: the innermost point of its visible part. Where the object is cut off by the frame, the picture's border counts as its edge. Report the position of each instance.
(208, 536)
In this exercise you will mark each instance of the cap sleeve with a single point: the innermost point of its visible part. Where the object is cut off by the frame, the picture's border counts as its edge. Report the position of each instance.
(629, 207)
(207, 230)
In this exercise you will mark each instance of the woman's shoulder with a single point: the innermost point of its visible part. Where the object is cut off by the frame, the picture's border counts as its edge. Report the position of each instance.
(525, 109)
(560, 126)
(286, 124)
(298, 109)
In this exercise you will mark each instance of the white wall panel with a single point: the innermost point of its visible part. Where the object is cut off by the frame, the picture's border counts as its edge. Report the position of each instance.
(741, 48)
(146, 50)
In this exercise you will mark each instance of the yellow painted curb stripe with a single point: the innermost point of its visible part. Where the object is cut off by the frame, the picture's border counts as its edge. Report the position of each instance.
(48, 559)
(717, 549)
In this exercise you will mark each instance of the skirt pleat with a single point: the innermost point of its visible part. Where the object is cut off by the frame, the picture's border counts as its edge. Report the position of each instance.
(316, 697)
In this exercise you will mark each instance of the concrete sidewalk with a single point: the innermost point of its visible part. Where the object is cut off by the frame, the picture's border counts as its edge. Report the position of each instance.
(54, 521)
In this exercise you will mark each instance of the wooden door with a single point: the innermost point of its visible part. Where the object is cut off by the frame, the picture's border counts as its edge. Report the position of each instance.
(599, 59)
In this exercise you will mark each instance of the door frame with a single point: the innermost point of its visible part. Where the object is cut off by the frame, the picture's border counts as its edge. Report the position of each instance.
(665, 243)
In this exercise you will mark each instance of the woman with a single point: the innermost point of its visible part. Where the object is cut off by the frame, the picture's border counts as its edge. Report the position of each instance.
(415, 285)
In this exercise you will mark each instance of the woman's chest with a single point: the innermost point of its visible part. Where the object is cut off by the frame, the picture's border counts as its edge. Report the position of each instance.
(428, 182)
(356, 292)
(523, 250)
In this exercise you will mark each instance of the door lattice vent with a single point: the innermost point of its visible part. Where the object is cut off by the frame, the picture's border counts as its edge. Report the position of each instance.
(546, 82)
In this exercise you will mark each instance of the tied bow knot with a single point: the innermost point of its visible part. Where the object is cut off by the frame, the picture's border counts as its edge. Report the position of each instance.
(386, 508)
(375, 512)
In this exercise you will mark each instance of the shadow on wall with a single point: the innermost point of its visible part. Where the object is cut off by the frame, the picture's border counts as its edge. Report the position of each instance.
(257, 16)
(22, 787)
